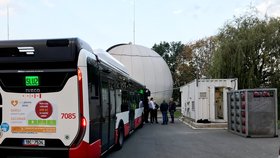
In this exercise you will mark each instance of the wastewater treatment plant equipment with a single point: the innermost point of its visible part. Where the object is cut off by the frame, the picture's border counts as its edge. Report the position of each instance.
(253, 112)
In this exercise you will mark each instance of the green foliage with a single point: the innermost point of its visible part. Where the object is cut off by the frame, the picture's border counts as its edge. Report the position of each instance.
(169, 52)
(177, 114)
(248, 50)
(202, 52)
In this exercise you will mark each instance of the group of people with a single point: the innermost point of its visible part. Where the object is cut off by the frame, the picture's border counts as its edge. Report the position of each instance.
(153, 107)
(164, 108)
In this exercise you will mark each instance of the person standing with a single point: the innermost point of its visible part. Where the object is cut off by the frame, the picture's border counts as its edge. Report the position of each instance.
(155, 111)
(146, 110)
(141, 105)
(164, 109)
(172, 109)
(151, 108)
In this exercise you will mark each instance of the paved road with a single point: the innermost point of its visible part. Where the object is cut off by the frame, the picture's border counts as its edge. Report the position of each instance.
(180, 141)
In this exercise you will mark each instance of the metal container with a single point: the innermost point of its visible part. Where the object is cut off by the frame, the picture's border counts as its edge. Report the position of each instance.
(253, 112)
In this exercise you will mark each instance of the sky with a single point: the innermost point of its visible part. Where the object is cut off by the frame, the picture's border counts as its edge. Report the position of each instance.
(104, 23)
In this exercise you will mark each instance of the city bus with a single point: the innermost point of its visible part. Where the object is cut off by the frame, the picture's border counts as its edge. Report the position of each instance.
(60, 98)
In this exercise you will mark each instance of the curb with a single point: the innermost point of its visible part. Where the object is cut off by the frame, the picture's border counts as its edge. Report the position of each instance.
(194, 125)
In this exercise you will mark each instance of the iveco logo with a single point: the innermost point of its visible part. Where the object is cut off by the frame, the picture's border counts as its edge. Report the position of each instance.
(27, 50)
(32, 90)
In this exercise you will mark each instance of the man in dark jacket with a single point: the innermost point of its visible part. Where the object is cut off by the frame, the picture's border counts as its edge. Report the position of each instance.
(164, 109)
(172, 109)
(155, 111)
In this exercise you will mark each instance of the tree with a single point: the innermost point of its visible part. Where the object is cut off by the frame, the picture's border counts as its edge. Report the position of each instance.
(169, 52)
(185, 70)
(195, 60)
(248, 49)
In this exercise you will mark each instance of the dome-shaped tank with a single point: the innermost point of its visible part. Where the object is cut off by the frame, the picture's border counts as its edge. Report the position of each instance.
(147, 67)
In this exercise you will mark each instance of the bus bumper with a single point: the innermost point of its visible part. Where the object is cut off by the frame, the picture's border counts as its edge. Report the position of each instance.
(33, 152)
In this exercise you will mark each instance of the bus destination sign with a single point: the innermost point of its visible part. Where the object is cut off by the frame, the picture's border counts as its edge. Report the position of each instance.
(32, 81)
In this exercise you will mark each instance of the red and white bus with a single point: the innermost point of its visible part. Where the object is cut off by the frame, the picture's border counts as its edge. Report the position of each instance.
(59, 98)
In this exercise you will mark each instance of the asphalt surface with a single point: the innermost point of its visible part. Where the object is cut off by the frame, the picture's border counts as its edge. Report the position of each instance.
(180, 141)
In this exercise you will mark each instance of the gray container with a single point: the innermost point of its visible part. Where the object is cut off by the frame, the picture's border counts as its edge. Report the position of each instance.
(253, 112)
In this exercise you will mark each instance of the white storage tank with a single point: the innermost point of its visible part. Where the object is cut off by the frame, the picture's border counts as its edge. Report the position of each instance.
(147, 67)
(206, 99)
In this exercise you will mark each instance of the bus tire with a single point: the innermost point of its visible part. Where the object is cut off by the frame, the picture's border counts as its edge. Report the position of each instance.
(120, 140)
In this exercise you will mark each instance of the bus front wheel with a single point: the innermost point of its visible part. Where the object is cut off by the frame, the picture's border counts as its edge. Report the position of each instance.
(120, 138)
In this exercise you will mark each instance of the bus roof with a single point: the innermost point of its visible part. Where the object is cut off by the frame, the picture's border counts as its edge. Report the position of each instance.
(57, 49)
(41, 50)
(110, 60)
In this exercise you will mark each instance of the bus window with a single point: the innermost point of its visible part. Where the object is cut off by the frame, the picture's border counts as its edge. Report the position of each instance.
(118, 100)
(94, 102)
(125, 101)
(93, 80)
(112, 101)
(137, 100)
(105, 99)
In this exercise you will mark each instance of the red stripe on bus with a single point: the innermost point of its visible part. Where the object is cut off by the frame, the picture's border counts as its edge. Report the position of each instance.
(138, 121)
(95, 149)
(116, 135)
(85, 150)
(126, 129)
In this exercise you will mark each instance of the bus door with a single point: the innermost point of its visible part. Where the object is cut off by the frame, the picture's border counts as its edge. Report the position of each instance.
(113, 117)
(132, 107)
(105, 119)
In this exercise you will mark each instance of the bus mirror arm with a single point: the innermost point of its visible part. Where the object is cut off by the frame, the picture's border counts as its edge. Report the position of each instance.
(106, 71)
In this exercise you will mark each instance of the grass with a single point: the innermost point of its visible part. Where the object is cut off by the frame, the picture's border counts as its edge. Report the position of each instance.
(178, 114)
